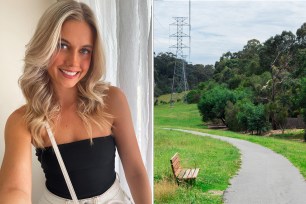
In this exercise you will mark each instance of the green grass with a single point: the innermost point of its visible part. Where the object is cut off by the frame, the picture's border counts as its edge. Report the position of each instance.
(179, 115)
(175, 96)
(297, 135)
(218, 160)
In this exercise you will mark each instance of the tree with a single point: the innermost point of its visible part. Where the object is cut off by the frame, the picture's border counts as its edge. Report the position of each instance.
(163, 73)
(257, 119)
(277, 55)
(249, 58)
(164, 64)
(212, 103)
(231, 112)
(193, 96)
(301, 36)
(303, 102)
(198, 73)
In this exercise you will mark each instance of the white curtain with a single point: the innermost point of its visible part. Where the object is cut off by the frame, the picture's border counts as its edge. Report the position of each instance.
(126, 30)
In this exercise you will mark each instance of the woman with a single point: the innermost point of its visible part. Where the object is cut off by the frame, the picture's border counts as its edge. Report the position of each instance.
(88, 118)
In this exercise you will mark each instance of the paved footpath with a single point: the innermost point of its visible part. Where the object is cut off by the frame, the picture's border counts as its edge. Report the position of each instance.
(265, 177)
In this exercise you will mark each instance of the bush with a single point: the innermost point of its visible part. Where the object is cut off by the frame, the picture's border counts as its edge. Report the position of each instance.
(257, 120)
(231, 113)
(212, 103)
(155, 101)
(302, 100)
(193, 96)
(245, 116)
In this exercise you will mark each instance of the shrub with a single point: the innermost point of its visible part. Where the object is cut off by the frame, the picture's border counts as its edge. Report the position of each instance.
(212, 103)
(245, 116)
(231, 113)
(193, 96)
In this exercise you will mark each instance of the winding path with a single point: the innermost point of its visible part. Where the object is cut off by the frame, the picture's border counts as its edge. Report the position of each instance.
(265, 177)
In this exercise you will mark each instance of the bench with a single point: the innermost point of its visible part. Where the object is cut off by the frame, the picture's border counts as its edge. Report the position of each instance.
(182, 174)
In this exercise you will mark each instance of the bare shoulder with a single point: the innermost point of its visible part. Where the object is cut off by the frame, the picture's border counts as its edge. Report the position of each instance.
(16, 123)
(116, 101)
(16, 118)
(115, 97)
(18, 114)
(114, 93)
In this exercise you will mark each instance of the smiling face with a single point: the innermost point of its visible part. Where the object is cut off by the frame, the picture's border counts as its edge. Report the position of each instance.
(72, 59)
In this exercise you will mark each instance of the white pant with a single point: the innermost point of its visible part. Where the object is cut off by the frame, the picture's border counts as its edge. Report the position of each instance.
(114, 195)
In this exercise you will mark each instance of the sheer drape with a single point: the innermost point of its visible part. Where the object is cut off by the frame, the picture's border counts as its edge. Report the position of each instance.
(125, 26)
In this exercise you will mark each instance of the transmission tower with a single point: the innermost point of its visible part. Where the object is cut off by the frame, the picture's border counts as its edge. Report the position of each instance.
(179, 80)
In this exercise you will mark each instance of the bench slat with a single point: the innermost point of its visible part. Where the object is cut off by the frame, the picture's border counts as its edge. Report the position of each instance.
(181, 174)
(186, 174)
(190, 175)
(195, 174)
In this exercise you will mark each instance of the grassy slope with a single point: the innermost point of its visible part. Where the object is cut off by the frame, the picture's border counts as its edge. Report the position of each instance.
(167, 97)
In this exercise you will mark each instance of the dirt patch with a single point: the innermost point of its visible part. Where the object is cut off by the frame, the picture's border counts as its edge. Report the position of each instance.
(219, 127)
(278, 132)
(215, 192)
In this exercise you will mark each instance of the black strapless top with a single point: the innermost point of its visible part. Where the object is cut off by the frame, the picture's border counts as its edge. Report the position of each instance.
(91, 167)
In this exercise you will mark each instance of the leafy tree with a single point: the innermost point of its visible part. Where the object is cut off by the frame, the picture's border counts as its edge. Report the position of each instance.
(193, 96)
(207, 85)
(198, 73)
(249, 58)
(301, 35)
(257, 119)
(303, 102)
(212, 103)
(163, 73)
(164, 64)
(231, 112)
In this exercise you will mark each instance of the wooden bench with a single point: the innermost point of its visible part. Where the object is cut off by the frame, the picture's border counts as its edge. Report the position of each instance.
(182, 174)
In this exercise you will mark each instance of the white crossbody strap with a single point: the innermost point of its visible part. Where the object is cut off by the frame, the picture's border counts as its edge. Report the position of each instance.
(62, 165)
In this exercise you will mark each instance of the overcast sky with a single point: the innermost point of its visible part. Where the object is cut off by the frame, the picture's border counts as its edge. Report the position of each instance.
(221, 26)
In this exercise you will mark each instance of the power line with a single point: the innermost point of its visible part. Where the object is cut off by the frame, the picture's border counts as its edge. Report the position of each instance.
(159, 23)
(179, 80)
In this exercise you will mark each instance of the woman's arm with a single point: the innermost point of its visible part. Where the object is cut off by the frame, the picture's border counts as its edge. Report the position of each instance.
(16, 169)
(128, 148)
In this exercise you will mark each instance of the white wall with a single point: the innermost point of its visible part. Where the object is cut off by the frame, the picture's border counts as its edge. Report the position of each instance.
(18, 20)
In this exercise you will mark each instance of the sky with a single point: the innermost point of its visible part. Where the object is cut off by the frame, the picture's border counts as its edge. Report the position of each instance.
(221, 26)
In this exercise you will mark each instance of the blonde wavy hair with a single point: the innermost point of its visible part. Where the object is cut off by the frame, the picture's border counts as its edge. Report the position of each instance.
(42, 105)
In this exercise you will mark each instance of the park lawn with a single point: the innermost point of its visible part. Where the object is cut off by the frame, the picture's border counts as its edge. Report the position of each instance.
(294, 151)
(295, 134)
(218, 162)
(179, 115)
